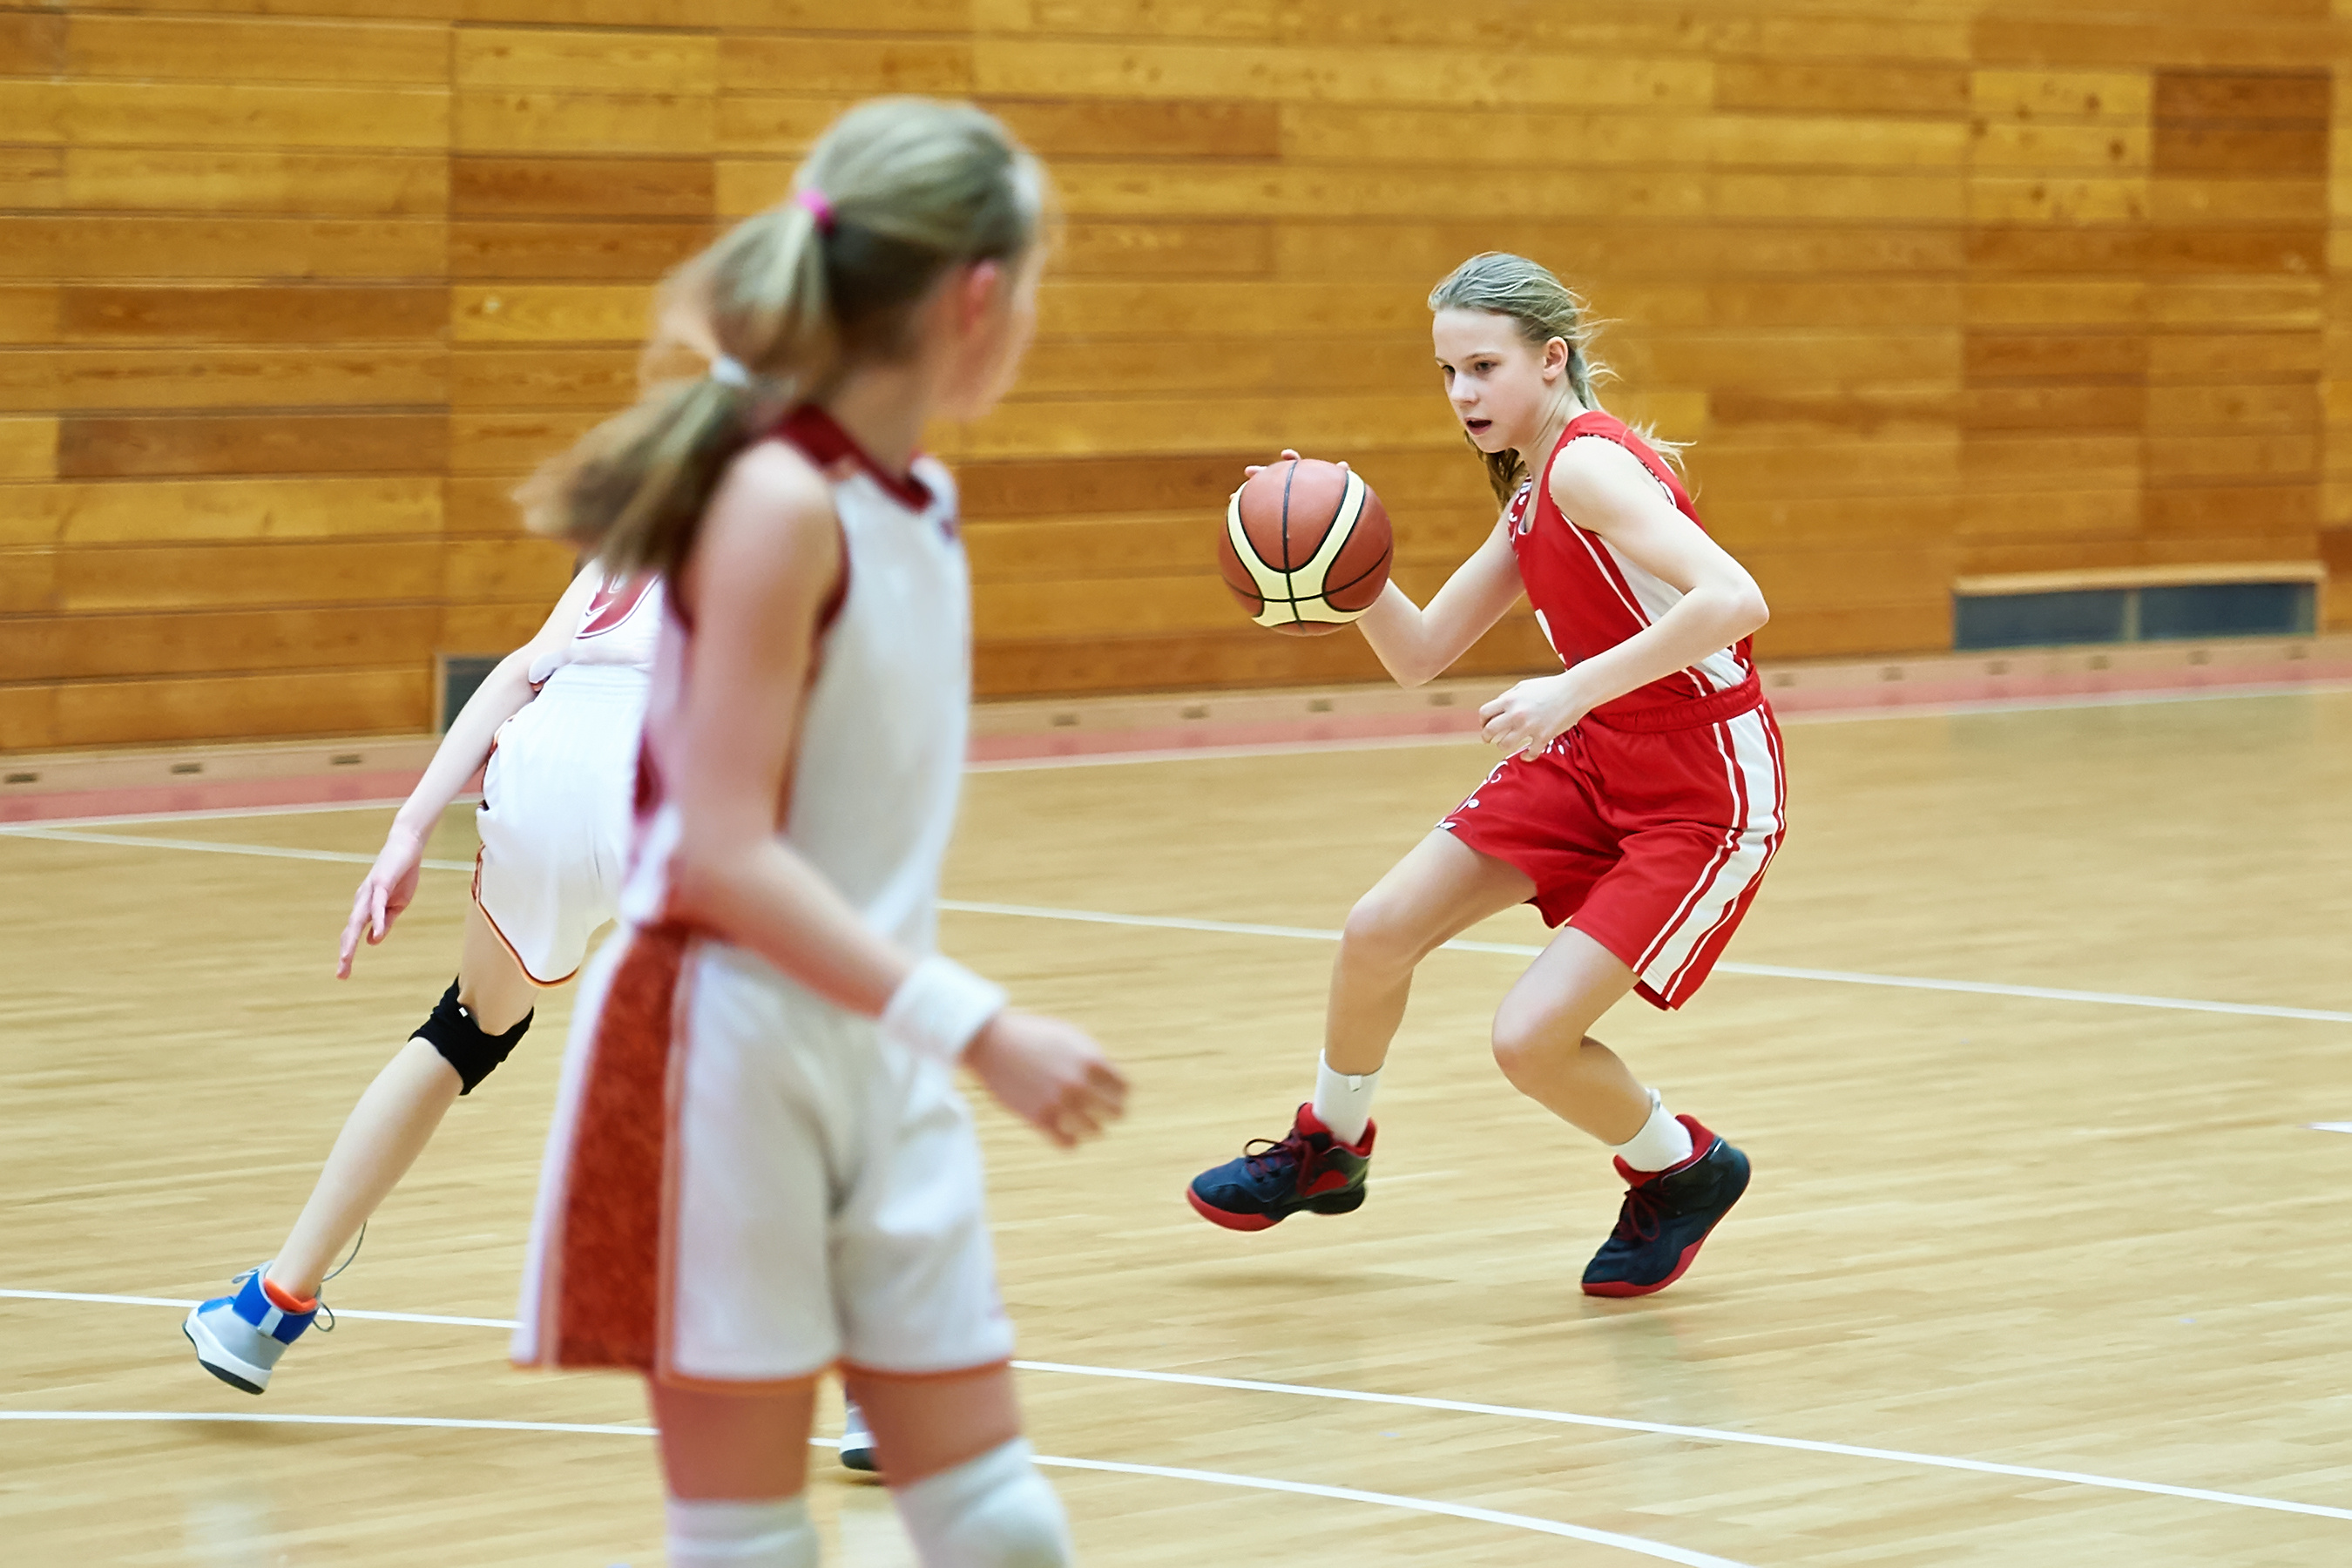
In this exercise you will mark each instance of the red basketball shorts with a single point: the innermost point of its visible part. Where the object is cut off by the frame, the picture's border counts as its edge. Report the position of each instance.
(1652, 843)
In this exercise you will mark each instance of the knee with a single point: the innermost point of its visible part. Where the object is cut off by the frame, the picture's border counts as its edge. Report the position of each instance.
(463, 1044)
(995, 1512)
(1381, 935)
(1527, 1034)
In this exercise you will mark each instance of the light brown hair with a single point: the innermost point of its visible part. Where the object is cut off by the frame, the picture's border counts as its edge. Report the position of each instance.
(897, 192)
(1502, 284)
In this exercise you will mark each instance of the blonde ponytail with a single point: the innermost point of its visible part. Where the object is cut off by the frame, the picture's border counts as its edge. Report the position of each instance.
(1502, 284)
(895, 194)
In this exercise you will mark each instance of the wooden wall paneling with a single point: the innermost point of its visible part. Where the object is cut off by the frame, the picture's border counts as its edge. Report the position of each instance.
(512, 442)
(84, 246)
(328, 314)
(551, 314)
(602, 379)
(28, 579)
(292, 573)
(150, 512)
(28, 448)
(851, 67)
(208, 378)
(264, 706)
(541, 249)
(32, 42)
(33, 176)
(103, 446)
(210, 642)
(255, 114)
(527, 187)
(264, 180)
(533, 571)
(274, 49)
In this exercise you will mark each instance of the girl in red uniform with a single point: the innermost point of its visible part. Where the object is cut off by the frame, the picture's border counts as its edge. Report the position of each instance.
(1637, 806)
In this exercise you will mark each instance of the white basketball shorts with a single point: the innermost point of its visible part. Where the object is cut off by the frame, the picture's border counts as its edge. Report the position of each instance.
(554, 819)
(745, 1184)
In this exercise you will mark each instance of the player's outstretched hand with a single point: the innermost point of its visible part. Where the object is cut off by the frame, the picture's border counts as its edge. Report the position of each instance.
(384, 892)
(1252, 469)
(1532, 714)
(1050, 1074)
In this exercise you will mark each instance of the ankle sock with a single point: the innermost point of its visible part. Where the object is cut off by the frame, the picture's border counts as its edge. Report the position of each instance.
(1660, 1144)
(775, 1534)
(285, 1300)
(1343, 1101)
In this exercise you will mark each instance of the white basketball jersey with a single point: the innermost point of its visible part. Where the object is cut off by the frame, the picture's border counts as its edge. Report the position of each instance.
(875, 777)
(622, 625)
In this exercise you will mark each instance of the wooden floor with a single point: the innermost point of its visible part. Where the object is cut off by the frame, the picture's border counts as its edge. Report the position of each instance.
(1991, 1234)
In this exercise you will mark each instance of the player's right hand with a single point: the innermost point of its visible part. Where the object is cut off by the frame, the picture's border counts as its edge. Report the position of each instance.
(1050, 1074)
(384, 892)
(1252, 471)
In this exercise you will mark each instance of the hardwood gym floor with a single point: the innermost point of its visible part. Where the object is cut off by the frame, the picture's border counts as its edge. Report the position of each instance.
(1992, 1236)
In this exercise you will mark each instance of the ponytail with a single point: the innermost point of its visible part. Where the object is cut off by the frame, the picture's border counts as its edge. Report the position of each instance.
(897, 192)
(1501, 284)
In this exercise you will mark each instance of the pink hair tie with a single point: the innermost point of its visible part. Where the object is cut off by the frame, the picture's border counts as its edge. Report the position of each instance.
(810, 197)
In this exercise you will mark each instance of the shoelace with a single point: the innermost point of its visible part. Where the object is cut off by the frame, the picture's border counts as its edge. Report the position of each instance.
(1640, 1218)
(1291, 1149)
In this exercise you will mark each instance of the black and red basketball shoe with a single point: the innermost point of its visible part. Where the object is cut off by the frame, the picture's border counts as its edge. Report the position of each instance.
(1667, 1215)
(1274, 1179)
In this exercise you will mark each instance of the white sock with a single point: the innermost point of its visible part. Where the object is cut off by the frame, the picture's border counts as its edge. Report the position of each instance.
(1343, 1101)
(775, 1534)
(1663, 1142)
(992, 1512)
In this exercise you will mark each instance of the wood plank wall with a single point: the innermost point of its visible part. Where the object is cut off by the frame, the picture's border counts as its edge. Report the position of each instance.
(291, 293)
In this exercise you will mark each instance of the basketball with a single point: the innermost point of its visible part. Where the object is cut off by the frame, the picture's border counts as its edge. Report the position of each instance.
(1307, 547)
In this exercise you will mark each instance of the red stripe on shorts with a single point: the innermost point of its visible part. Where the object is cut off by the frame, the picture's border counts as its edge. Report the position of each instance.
(608, 1274)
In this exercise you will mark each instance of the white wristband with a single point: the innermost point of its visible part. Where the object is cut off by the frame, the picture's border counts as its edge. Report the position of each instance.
(939, 1008)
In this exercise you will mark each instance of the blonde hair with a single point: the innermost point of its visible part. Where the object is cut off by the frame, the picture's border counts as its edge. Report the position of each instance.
(897, 192)
(1502, 284)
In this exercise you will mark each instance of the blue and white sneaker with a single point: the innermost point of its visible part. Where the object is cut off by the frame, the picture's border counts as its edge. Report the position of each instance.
(240, 1338)
(856, 1441)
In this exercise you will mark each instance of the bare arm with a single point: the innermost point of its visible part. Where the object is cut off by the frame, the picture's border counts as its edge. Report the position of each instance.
(768, 554)
(1418, 645)
(391, 882)
(1606, 491)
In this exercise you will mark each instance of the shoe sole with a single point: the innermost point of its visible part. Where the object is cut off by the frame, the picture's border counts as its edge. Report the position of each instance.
(860, 1459)
(1348, 1203)
(235, 1371)
(1620, 1289)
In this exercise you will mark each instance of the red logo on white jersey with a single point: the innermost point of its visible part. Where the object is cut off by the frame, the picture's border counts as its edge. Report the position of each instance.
(616, 602)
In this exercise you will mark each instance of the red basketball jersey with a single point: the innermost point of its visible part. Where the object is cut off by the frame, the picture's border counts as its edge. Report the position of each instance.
(1589, 597)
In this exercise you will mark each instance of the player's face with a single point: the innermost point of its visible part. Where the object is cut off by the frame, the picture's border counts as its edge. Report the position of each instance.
(1495, 380)
(994, 315)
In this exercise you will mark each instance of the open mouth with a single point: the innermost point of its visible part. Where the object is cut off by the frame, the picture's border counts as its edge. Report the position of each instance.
(1478, 427)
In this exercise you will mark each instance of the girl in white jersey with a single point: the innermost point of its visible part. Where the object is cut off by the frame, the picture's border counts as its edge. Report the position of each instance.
(557, 723)
(760, 1167)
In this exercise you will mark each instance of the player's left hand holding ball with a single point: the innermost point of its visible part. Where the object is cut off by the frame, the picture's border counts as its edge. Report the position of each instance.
(1533, 714)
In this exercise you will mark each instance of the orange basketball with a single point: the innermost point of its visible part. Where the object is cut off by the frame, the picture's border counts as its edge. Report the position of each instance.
(1307, 547)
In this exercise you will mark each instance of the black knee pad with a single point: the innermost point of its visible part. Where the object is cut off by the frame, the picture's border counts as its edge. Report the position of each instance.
(462, 1044)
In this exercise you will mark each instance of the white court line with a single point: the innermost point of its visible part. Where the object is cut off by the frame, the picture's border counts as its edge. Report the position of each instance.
(1308, 933)
(1768, 970)
(1657, 1550)
(1360, 743)
(201, 847)
(1462, 1407)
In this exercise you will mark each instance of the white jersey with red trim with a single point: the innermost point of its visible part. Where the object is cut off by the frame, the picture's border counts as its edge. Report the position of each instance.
(622, 625)
(879, 762)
